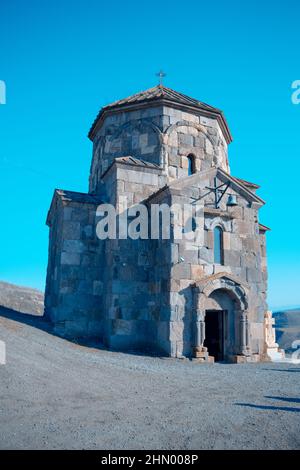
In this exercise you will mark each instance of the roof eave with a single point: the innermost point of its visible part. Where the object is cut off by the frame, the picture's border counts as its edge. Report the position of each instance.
(214, 113)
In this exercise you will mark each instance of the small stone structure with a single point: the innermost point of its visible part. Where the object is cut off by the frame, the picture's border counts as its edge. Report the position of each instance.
(273, 353)
(205, 300)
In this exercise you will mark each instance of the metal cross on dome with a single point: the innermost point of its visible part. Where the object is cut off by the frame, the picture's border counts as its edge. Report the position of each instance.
(161, 74)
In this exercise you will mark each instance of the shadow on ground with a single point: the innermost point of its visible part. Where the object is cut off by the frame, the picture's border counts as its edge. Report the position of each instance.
(274, 407)
(284, 370)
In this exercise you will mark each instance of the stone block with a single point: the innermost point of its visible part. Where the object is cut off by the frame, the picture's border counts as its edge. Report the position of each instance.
(199, 141)
(76, 328)
(70, 258)
(85, 287)
(198, 164)
(251, 244)
(72, 272)
(232, 258)
(80, 215)
(174, 285)
(88, 259)
(122, 327)
(193, 118)
(226, 240)
(176, 330)
(74, 246)
(163, 331)
(184, 162)
(253, 275)
(242, 227)
(181, 271)
(185, 140)
(235, 242)
(219, 268)
(71, 230)
(197, 272)
(97, 287)
(208, 269)
(67, 213)
(209, 147)
(174, 252)
(206, 254)
(189, 255)
(210, 239)
(236, 212)
(95, 329)
(88, 231)
(182, 172)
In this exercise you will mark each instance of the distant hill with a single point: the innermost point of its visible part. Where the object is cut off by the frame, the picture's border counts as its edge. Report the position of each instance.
(21, 299)
(287, 323)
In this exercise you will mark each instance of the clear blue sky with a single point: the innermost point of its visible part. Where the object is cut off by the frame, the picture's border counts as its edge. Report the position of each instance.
(62, 60)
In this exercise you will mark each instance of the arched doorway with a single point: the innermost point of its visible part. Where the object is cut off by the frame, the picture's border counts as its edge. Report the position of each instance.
(222, 327)
(214, 334)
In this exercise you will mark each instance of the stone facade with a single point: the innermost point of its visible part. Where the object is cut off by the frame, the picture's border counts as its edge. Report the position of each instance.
(159, 295)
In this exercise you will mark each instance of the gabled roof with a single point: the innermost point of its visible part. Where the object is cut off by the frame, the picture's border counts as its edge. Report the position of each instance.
(162, 95)
(263, 228)
(133, 162)
(128, 160)
(71, 196)
(74, 196)
(248, 183)
(235, 183)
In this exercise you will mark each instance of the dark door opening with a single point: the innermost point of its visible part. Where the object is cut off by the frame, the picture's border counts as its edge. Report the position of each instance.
(214, 333)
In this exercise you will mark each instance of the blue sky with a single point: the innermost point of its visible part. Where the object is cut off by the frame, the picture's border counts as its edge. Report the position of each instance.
(62, 60)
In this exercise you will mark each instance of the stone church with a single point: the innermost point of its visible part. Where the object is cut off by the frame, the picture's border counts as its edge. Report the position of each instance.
(161, 295)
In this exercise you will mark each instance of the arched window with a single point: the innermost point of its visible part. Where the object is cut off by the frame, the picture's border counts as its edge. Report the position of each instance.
(218, 246)
(191, 164)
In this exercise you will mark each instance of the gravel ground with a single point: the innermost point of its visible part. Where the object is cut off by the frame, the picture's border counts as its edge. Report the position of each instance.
(56, 394)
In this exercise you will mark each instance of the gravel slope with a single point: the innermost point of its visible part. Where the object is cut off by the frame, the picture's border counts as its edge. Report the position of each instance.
(56, 394)
(21, 299)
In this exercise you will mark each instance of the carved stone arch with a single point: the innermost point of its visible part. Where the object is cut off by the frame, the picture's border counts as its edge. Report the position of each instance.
(240, 333)
(199, 127)
(225, 283)
(139, 125)
(211, 223)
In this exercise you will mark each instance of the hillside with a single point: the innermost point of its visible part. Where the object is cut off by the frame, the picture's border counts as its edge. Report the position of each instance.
(21, 299)
(287, 324)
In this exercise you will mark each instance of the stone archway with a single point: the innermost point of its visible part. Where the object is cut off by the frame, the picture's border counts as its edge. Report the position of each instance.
(222, 293)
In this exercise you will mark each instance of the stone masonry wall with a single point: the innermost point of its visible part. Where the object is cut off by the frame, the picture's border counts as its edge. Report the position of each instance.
(74, 288)
(133, 133)
(243, 249)
(130, 303)
(161, 135)
(192, 134)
